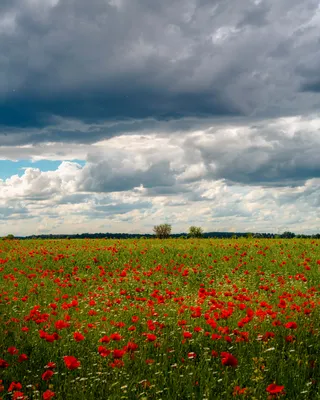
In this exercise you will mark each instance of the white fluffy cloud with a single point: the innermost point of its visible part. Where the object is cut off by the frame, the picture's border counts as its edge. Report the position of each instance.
(258, 177)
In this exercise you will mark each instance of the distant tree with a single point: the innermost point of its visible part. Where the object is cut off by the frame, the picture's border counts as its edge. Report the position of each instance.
(9, 237)
(195, 232)
(162, 231)
(288, 235)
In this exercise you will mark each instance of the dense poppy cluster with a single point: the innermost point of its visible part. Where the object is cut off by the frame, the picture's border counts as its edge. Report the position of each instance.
(159, 319)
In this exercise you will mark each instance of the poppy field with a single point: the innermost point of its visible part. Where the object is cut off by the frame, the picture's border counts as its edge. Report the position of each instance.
(160, 319)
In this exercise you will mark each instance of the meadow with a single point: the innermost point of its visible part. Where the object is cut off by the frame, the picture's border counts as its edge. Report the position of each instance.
(160, 319)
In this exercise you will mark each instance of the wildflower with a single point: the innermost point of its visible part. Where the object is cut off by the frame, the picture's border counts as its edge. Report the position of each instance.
(22, 357)
(116, 336)
(48, 394)
(78, 337)
(103, 351)
(51, 365)
(291, 325)
(104, 339)
(275, 390)
(3, 363)
(71, 362)
(14, 386)
(228, 360)
(12, 350)
(237, 391)
(47, 375)
(118, 353)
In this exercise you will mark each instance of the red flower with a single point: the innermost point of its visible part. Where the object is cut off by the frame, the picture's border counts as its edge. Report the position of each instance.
(187, 335)
(151, 337)
(51, 365)
(22, 357)
(48, 394)
(3, 363)
(237, 391)
(104, 339)
(118, 353)
(116, 336)
(103, 351)
(291, 325)
(14, 386)
(78, 337)
(275, 389)
(47, 375)
(228, 360)
(61, 324)
(12, 350)
(71, 362)
(18, 396)
(131, 346)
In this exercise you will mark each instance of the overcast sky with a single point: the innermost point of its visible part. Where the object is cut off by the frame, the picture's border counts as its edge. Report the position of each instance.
(117, 115)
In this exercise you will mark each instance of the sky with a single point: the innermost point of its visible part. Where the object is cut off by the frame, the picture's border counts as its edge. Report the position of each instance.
(118, 115)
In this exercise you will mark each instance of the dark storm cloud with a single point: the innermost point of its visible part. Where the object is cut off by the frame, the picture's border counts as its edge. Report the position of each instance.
(283, 154)
(98, 61)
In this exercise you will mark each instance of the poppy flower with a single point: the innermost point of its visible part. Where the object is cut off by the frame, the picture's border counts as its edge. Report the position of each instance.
(115, 336)
(48, 394)
(291, 325)
(3, 363)
(118, 353)
(47, 375)
(151, 337)
(104, 352)
(12, 350)
(18, 396)
(71, 362)
(228, 360)
(22, 357)
(51, 365)
(104, 339)
(275, 389)
(14, 386)
(78, 337)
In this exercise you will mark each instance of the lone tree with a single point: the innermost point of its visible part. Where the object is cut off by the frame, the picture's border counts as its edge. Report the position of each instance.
(162, 231)
(195, 232)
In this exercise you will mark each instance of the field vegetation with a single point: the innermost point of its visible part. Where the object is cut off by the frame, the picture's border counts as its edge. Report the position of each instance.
(160, 319)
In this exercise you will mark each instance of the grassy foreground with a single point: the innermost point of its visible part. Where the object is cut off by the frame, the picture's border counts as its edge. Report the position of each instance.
(151, 319)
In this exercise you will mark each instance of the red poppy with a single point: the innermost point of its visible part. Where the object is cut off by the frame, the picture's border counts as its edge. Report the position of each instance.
(275, 389)
(14, 386)
(103, 351)
(151, 337)
(47, 375)
(228, 360)
(291, 325)
(237, 391)
(22, 357)
(71, 362)
(78, 337)
(12, 350)
(116, 336)
(18, 396)
(104, 339)
(118, 353)
(3, 363)
(48, 394)
(187, 335)
(51, 365)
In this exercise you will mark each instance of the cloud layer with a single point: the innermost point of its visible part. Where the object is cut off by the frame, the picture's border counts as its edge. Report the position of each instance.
(181, 111)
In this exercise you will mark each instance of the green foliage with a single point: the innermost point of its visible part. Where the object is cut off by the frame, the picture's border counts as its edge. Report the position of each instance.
(8, 237)
(162, 231)
(195, 232)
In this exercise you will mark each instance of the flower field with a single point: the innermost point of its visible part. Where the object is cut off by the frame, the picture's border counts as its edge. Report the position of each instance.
(160, 319)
